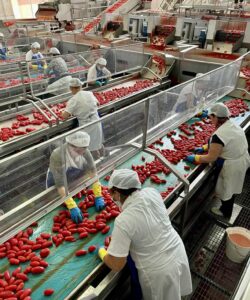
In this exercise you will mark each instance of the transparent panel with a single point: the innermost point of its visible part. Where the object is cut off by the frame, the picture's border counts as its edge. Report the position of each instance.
(24, 176)
(53, 73)
(169, 109)
(11, 81)
(110, 138)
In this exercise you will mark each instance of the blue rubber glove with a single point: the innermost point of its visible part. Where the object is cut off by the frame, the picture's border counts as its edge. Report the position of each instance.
(190, 158)
(203, 114)
(98, 83)
(99, 203)
(76, 215)
(199, 150)
(40, 67)
(195, 159)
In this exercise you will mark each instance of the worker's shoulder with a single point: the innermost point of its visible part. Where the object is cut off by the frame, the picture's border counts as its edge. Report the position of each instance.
(56, 153)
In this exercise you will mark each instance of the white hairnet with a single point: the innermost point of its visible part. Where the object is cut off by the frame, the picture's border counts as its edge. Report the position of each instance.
(54, 50)
(75, 82)
(35, 45)
(79, 139)
(101, 61)
(124, 179)
(220, 110)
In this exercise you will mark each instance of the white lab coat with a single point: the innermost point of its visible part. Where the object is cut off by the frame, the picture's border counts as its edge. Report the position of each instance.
(92, 73)
(83, 106)
(237, 160)
(60, 86)
(29, 55)
(144, 229)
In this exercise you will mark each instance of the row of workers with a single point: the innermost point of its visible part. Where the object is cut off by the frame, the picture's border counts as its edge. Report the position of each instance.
(98, 74)
(143, 234)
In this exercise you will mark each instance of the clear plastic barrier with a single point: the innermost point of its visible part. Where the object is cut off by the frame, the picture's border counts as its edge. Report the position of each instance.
(24, 175)
(169, 109)
(11, 81)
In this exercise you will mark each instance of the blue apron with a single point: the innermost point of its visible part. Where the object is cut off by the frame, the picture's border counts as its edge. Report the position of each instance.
(99, 73)
(71, 174)
(36, 60)
(135, 283)
(3, 53)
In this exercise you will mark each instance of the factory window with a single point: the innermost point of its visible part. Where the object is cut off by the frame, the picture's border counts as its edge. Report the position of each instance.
(24, 9)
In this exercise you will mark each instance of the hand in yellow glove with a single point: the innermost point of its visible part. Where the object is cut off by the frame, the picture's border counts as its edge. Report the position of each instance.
(102, 252)
(99, 201)
(75, 212)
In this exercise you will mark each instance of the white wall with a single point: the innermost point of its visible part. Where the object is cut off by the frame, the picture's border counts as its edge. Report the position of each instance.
(6, 11)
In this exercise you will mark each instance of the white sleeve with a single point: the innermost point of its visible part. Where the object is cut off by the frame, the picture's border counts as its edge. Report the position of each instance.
(71, 106)
(120, 243)
(28, 56)
(106, 72)
(41, 55)
(91, 74)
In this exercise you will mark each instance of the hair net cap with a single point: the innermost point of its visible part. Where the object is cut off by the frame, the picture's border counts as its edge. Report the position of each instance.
(75, 82)
(54, 50)
(79, 139)
(101, 61)
(124, 179)
(35, 45)
(220, 110)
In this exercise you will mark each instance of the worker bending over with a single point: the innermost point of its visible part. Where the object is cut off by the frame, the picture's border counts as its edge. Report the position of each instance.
(229, 149)
(83, 105)
(144, 229)
(98, 74)
(57, 66)
(79, 165)
(35, 58)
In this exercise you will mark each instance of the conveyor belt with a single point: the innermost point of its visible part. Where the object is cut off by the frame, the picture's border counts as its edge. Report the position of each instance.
(44, 131)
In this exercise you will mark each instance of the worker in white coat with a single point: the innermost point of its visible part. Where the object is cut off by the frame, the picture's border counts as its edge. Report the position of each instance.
(229, 148)
(59, 82)
(98, 74)
(35, 57)
(144, 229)
(57, 67)
(193, 95)
(78, 164)
(83, 105)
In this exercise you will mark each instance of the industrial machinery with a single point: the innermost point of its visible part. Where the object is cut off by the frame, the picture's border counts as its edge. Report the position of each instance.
(41, 112)
(148, 134)
(162, 35)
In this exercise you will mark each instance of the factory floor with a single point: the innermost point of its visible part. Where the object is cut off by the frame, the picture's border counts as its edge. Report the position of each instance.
(214, 276)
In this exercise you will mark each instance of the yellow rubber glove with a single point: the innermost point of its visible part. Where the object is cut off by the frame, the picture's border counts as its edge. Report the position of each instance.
(70, 203)
(205, 148)
(197, 158)
(102, 253)
(97, 189)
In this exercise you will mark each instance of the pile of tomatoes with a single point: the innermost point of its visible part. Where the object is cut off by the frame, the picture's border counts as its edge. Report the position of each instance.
(118, 93)
(23, 124)
(22, 249)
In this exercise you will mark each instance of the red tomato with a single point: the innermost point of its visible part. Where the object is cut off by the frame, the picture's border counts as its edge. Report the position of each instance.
(91, 248)
(37, 270)
(44, 252)
(48, 292)
(81, 252)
